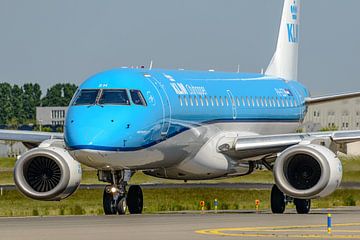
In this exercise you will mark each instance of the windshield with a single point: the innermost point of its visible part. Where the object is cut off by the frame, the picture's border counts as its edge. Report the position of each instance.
(114, 96)
(137, 97)
(86, 97)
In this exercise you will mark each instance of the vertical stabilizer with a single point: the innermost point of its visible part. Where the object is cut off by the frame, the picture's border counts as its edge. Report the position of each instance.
(284, 63)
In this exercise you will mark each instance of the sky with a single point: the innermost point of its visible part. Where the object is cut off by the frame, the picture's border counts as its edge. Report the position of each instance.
(66, 41)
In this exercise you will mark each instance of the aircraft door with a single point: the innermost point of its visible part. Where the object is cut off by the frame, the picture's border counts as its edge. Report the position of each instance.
(165, 104)
(233, 104)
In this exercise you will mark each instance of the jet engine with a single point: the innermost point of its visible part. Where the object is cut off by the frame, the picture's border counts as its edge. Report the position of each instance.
(47, 173)
(307, 171)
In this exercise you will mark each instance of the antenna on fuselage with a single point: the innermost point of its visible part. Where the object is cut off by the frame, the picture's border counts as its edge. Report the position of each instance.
(238, 70)
(151, 64)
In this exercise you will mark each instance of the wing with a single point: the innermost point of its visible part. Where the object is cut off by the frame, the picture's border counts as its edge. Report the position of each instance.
(337, 97)
(29, 138)
(269, 145)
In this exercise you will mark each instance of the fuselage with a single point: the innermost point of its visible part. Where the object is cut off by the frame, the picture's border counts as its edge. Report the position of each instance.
(164, 118)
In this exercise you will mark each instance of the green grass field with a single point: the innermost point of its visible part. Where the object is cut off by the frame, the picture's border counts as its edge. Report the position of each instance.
(89, 202)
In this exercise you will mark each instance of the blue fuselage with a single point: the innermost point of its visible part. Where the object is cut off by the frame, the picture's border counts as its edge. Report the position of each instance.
(175, 102)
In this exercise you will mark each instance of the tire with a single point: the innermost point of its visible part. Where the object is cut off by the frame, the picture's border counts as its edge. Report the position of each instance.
(109, 204)
(121, 206)
(303, 206)
(277, 200)
(135, 199)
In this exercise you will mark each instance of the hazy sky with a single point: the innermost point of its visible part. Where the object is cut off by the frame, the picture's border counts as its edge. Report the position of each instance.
(48, 41)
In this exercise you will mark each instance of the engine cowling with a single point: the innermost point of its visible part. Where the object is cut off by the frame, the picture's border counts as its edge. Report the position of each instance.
(307, 171)
(47, 173)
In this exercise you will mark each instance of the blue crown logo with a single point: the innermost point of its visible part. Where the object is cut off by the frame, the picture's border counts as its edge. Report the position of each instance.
(294, 11)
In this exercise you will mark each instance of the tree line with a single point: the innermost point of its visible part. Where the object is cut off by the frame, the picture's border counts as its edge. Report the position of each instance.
(18, 103)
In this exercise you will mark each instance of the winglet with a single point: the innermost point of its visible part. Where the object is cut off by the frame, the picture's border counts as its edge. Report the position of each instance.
(284, 63)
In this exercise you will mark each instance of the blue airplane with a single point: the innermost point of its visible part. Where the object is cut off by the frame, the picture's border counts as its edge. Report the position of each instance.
(188, 125)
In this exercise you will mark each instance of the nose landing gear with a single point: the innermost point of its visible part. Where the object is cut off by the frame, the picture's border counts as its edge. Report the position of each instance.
(116, 199)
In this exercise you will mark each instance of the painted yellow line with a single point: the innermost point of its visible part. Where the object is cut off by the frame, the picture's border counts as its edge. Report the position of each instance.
(286, 231)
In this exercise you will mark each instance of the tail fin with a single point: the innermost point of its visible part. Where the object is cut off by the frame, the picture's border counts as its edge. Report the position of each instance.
(284, 63)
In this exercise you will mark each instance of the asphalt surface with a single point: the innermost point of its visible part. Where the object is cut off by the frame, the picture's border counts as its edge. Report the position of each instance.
(261, 186)
(180, 226)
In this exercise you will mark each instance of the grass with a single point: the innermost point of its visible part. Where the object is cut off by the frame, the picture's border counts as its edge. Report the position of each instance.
(89, 202)
(351, 167)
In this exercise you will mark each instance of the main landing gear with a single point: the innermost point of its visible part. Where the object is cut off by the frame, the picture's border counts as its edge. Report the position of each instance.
(115, 197)
(279, 201)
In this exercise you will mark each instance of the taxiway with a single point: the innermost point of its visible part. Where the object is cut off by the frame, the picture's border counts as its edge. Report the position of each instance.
(194, 225)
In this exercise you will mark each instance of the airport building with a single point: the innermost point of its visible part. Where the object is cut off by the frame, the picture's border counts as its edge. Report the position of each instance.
(54, 116)
(340, 114)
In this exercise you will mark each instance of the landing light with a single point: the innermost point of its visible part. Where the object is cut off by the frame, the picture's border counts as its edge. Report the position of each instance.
(113, 189)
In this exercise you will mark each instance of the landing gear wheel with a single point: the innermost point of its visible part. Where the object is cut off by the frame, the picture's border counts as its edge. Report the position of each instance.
(302, 205)
(135, 199)
(121, 206)
(109, 203)
(278, 202)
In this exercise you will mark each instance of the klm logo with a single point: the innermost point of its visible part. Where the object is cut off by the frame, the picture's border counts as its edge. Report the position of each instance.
(293, 32)
(293, 28)
(294, 11)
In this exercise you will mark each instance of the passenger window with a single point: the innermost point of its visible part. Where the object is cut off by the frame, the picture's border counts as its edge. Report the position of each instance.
(257, 102)
(252, 101)
(227, 101)
(206, 101)
(282, 103)
(180, 100)
(212, 101)
(221, 101)
(278, 102)
(248, 101)
(201, 101)
(137, 97)
(237, 101)
(191, 101)
(196, 101)
(295, 103)
(114, 96)
(86, 97)
(216, 101)
(185, 100)
(243, 101)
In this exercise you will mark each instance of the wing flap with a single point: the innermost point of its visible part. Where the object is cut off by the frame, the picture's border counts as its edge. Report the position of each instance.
(263, 145)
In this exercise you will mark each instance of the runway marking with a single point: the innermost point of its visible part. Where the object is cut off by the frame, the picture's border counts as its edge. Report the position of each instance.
(302, 231)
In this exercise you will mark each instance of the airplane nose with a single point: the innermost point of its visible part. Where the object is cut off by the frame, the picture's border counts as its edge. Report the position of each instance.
(94, 129)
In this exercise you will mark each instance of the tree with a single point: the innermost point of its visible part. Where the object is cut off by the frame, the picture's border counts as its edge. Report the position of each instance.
(6, 108)
(59, 95)
(18, 114)
(31, 99)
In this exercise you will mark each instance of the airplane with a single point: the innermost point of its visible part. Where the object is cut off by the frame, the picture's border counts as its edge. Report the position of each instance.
(188, 125)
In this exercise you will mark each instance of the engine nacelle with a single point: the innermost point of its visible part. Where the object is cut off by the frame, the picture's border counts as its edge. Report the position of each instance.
(307, 171)
(47, 173)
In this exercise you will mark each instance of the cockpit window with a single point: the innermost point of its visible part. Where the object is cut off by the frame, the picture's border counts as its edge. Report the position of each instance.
(114, 96)
(86, 97)
(137, 97)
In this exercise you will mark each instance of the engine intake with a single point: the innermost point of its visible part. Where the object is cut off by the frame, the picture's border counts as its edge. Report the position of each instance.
(307, 171)
(47, 173)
